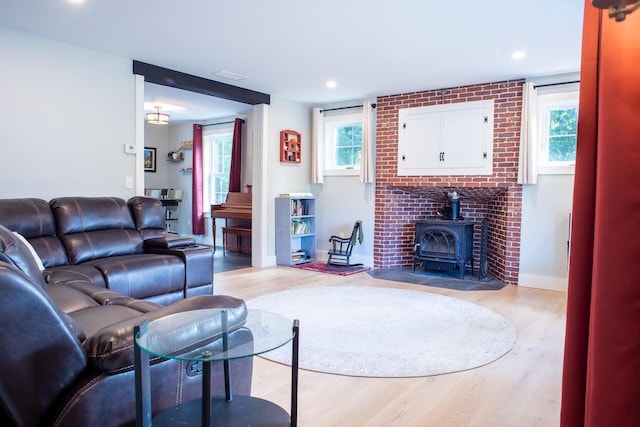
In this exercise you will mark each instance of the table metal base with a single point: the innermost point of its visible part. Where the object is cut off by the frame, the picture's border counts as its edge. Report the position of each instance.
(242, 411)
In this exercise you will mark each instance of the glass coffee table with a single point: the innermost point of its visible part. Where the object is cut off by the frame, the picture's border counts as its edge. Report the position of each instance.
(201, 337)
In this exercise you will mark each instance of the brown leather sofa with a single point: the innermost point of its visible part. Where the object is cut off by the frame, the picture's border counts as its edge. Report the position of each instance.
(67, 338)
(117, 244)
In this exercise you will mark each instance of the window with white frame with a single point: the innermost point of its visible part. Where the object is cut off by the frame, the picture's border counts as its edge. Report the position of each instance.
(216, 156)
(343, 143)
(558, 128)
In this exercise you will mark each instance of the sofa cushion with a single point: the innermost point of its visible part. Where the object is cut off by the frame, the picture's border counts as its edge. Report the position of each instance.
(84, 214)
(95, 227)
(83, 304)
(32, 251)
(148, 215)
(68, 299)
(14, 251)
(34, 220)
(82, 247)
(142, 275)
(28, 216)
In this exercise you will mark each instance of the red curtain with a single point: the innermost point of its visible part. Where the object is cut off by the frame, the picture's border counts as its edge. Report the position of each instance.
(601, 374)
(236, 157)
(197, 217)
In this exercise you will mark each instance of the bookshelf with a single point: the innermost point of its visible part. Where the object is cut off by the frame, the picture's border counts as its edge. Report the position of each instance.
(295, 230)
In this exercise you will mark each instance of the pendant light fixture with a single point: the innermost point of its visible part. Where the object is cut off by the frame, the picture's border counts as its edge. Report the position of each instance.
(157, 118)
(618, 9)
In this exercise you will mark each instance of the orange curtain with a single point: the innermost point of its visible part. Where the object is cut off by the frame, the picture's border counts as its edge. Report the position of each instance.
(601, 373)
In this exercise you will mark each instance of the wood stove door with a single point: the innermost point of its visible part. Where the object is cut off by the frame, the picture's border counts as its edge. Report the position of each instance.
(446, 242)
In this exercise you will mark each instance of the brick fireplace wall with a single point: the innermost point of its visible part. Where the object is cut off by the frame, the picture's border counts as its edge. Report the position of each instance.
(403, 200)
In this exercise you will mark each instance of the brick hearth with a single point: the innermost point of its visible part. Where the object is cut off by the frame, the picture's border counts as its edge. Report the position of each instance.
(403, 200)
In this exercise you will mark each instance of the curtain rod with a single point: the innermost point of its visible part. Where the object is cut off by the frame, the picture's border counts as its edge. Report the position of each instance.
(221, 123)
(556, 84)
(345, 108)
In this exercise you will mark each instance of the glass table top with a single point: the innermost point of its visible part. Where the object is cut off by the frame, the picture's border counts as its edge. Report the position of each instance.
(200, 335)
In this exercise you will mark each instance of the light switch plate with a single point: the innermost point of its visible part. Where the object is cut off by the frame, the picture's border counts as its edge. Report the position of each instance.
(130, 148)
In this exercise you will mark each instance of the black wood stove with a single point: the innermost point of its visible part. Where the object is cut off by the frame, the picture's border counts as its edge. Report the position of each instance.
(441, 243)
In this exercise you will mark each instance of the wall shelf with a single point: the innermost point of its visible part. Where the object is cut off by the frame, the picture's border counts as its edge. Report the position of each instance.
(290, 146)
(175, 156)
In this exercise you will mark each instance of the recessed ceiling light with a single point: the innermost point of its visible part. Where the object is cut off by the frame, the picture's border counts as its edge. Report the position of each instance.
(229, 75)
(76, 1)
(331, 84)
(518, 54)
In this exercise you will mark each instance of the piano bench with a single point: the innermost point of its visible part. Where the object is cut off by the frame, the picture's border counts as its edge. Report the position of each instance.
(238, 231)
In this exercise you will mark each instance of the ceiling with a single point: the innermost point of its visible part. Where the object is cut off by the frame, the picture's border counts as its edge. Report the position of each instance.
(291, 48)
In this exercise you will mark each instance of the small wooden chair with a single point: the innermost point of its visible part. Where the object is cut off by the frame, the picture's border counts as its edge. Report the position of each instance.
(341, 247)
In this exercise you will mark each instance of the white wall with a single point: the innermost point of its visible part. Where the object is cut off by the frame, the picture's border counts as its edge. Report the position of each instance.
(176, 177)
(65, 115)
(342, 200)
(157, 136)
(545, 227)
(284, 177)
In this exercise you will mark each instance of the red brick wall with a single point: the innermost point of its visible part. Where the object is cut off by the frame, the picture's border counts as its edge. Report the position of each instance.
(402, 200)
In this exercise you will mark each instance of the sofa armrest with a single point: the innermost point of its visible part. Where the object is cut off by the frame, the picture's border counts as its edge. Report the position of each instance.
(111, 348)
(198, 266)
(168, 242)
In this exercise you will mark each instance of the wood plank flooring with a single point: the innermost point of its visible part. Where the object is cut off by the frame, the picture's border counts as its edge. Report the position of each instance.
(520, 389)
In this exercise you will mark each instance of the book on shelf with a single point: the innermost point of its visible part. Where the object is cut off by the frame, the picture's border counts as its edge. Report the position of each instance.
(298, 255)
(296, 195)
(300, 227)
(299, 207)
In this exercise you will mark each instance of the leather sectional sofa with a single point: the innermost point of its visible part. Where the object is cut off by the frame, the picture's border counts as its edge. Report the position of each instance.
(117, 244)
(76, 276)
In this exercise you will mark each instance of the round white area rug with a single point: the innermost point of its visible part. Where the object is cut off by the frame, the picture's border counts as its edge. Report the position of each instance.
(386, 332)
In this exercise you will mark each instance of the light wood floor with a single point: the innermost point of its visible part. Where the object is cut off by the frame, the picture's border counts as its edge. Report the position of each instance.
(520, 389)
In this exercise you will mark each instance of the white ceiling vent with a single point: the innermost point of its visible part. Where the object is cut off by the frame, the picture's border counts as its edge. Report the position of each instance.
(229, 75)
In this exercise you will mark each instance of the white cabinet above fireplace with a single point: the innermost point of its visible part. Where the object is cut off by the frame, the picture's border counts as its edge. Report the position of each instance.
(446, 139)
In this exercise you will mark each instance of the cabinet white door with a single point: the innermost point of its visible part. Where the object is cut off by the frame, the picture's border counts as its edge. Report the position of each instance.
(463, 143)
(421, 143)
(449, 139)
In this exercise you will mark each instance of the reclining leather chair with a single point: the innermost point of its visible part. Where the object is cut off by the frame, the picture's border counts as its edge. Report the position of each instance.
(67, 349)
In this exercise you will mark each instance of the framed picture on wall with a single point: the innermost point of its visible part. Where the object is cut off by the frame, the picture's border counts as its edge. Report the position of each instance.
(149, 159)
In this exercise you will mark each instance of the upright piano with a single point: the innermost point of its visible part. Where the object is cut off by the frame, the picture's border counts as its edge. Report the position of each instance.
(236, 211)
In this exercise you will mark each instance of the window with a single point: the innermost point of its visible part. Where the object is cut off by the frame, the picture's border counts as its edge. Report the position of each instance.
(343, 143)
(558, 128)
(216, 155)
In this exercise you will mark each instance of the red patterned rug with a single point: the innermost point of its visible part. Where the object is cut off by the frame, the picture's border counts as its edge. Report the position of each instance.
(332, 269)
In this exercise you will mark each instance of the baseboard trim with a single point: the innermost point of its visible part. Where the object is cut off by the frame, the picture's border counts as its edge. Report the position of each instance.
(542, 282)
